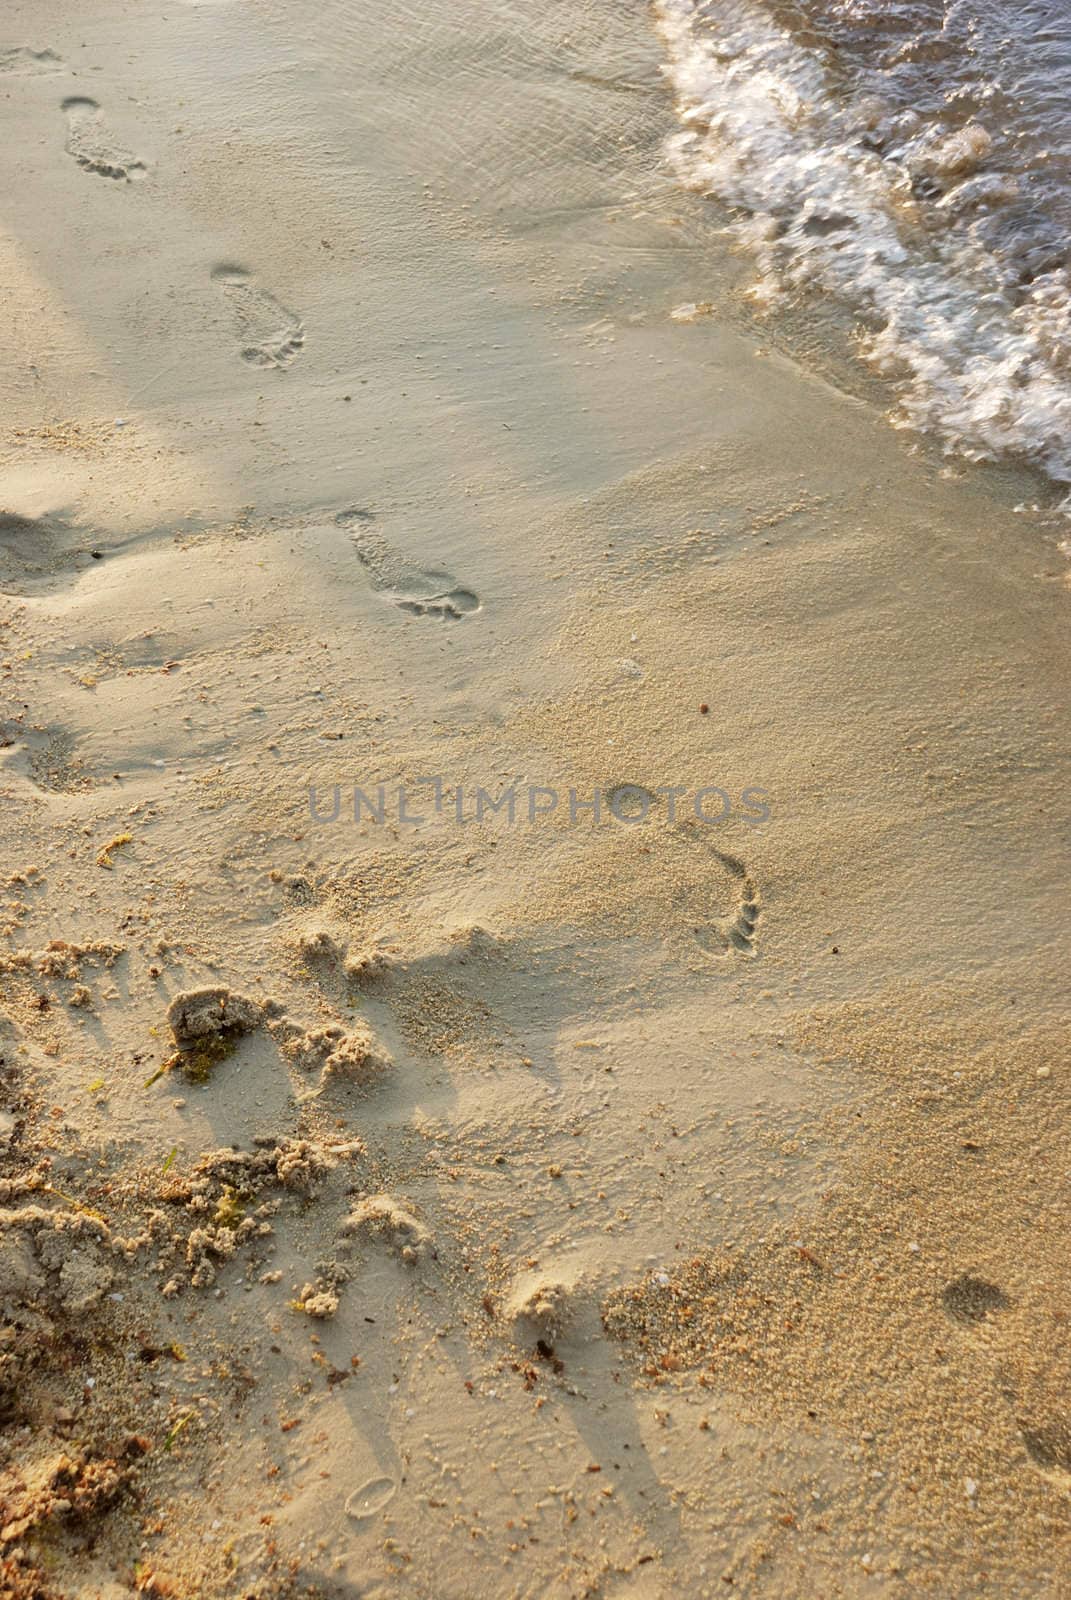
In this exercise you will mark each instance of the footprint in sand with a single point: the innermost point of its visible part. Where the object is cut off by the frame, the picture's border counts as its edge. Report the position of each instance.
(48, 756)
(1037, 1396)
(972, 1300)
(92, 146)
(370, 1498)
(41, 554)
(20, 58)
(1037, 1406)
(268, 334)
(420, 591)
(1048, 1446)
(737, 932)
(22, 545)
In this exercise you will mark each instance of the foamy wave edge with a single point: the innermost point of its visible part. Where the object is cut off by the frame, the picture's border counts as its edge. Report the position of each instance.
(762, 133)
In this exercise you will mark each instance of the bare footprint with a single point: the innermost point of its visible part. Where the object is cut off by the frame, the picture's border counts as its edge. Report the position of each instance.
(23, 546)
(735, 933)
(269, 335)
(92, 146)
(1048, 1446)
(371, 1498)
(39, 554)
(19, 58)
(972, 1300)
(420, 591)
(48, 756)
(1037, 1394)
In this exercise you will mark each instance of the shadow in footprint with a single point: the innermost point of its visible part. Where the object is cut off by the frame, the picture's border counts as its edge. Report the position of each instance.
(418, 591)
(268, 334)
(21, 59)
(1049, 1447)
(91, 144)
(48, 756)
(38, 554)
(23, 542)
(970, 1300)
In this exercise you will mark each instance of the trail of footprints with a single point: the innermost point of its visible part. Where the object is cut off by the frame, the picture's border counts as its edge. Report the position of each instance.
(268, 334)
(419, 591)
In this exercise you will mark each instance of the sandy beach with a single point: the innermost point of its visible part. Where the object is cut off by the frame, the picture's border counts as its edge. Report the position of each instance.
(404, 1192)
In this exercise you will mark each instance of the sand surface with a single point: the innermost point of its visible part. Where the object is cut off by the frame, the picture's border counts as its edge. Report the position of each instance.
(536, 1207)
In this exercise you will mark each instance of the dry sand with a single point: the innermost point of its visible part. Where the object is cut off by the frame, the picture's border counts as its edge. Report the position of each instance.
(527, 1209)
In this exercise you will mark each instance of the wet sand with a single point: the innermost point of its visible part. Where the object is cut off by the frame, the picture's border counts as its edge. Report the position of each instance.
(547, 1207)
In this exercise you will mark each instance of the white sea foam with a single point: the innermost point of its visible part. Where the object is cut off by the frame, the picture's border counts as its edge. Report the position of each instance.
(980, 357)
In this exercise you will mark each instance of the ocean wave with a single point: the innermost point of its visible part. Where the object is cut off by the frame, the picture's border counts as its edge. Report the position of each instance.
(961, 286)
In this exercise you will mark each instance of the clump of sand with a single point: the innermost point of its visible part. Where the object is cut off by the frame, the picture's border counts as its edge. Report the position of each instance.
(382, 1218)
(207, 1025)
(53, 1260)
(539, 1305)
(317, 1301)
(327, 953)
(230, 1203)
(319, 948)
(65, 1487)
(336, 1053)
(62, 959)
(199, 1014)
